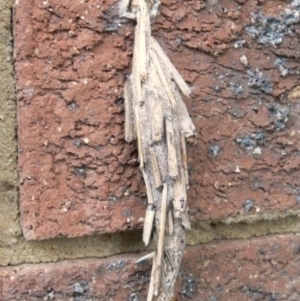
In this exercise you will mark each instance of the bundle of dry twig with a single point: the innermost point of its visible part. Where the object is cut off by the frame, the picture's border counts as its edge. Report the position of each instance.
(157, 118)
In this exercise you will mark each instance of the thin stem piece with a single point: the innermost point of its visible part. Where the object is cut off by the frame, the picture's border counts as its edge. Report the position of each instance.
(161, 237)
(172, 156)
(163, 78)
(184, 88)
(130, 134)
(155, 168)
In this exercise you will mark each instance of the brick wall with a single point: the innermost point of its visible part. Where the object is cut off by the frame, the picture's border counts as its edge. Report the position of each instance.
(70, 189)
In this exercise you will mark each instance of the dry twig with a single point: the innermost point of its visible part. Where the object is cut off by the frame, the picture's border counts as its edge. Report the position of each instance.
(157, 117)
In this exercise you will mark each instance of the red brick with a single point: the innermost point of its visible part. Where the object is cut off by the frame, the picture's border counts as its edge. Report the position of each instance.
(264, 268)
(76, 171)
(79, 177)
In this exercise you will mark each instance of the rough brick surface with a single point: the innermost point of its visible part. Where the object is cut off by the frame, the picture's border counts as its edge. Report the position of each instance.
(262, 269)
(78, 176)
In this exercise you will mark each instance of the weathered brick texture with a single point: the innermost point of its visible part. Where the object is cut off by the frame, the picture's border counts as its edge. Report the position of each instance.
(262, 269)
(78, 176)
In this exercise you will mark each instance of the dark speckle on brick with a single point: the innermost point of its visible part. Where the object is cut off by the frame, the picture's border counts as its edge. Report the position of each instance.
(80, 287)
(119, 101)
(270, 30)
(236, 88)
(127, 213)
(279, 63)
(291, 16)
(217, 88)
(115, 265)
(249, 204)
(77, 142)
(256, 293)
(50, 294)
(214, 150)
(252, 140)
(267, 30)
(244, 289)
(189, 287)
(80, 172)
(134, 297)
(280, 115)
(245, 142)
(257, 81)
(112, 198)
(72, 106)
(279, 125)
(259, 135)
(239, 44)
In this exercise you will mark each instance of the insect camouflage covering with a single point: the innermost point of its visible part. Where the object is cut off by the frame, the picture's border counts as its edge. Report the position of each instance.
(156, 116)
